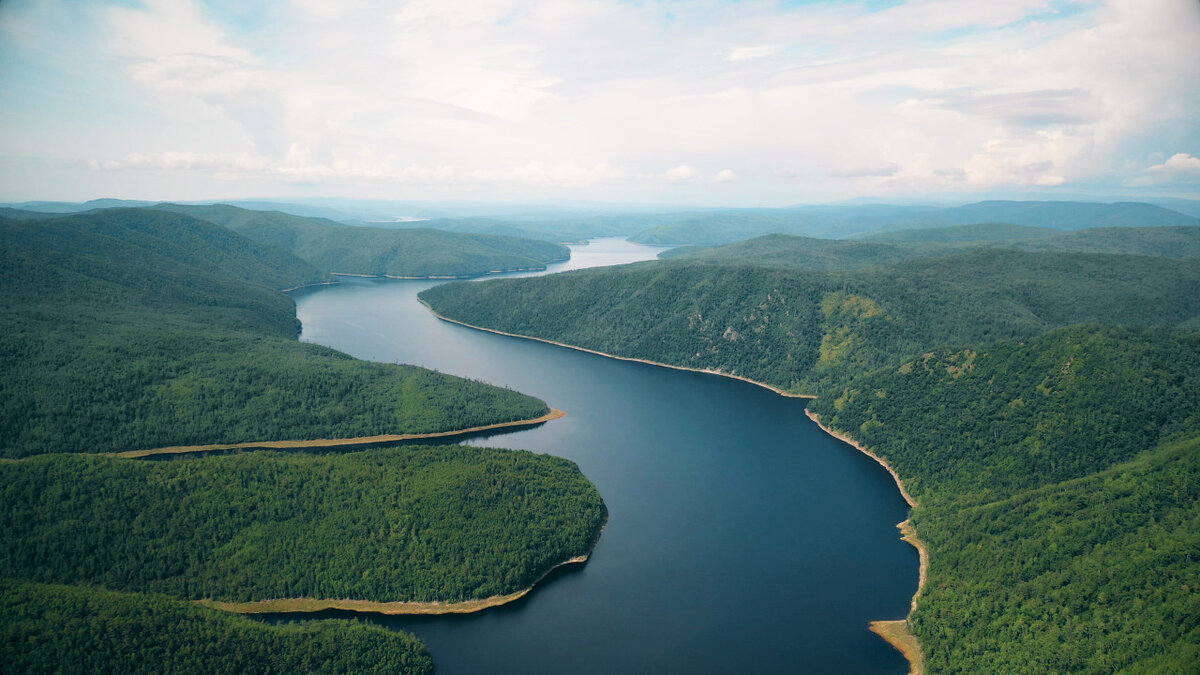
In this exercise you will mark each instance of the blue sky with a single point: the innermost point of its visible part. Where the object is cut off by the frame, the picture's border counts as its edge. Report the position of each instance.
(697, 102)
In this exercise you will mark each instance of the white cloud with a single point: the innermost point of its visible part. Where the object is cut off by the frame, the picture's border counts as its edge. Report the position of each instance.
(1179, 167)
(682, 173)
(751, 53)
(601, 94)
(883, 170)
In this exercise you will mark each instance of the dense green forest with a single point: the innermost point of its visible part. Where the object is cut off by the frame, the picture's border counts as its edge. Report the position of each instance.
(798, 329)
(1058, 487)
(134, 329)
(414, 523)
(804, 253)
(376, 251)
(1043, 407)
(54, 629)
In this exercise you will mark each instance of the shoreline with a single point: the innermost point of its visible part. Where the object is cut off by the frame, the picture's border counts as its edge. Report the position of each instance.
(706, 371)
(309, 605)
(554, 414)
(446, 277)
(315, 283)
(397, 608)
(894, 632)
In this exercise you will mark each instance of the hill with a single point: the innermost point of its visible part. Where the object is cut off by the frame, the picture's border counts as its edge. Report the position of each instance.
(975, 232)
(1056, 479)
(795, 329)
(133, 329)
(781, 251)
(804, 253)
(406, 524)
(374, 251)
(86, 629)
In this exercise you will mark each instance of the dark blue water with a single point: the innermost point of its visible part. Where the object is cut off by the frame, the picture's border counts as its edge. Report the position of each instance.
(741, 537)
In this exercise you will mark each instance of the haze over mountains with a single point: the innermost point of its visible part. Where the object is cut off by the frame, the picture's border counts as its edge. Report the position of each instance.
(665, 225)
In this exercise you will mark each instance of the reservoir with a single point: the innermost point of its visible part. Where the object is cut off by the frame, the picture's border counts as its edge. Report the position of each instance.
(741, 538)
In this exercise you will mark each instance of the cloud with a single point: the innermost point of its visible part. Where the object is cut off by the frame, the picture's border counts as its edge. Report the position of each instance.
(1030, 108)
(299, 165)
(602, 94)
(682, 174)
(876, 171)
(726, 176)
(751, 53)
(1179, 167)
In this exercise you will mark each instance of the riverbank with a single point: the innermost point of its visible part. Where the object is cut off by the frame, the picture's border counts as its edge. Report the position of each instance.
(308, 605)
(707, 371)
(312, 285)
(321, 443)
(452, 277)
(898, 633)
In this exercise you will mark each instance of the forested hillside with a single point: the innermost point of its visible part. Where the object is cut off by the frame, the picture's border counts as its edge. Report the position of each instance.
(797, 329)
(1042, 408)
(135, 329)
(1058, 487)
(376, 251)
(803, 253)
(415, 523)
(56, 629)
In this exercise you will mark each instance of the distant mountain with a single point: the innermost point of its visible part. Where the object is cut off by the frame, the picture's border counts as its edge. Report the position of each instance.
(1066, 215)
(779, 251)
(20, 214)
(372, 251)
(782, 251)
(964, 233)
(76, 207)
(843, 221)
(1188, 207)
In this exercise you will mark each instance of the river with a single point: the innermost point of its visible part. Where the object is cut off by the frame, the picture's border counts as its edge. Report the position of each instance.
(741, 538)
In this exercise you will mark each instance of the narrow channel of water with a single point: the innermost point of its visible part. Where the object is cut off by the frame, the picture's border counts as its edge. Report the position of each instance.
(741, 537)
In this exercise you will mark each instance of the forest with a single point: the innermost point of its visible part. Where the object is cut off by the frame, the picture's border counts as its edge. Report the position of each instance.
(377, 251)
(797, 328)
(128, 329)
(50, 628)
(414, 523)
(1040, 405)
(136, 329)
(806, 253)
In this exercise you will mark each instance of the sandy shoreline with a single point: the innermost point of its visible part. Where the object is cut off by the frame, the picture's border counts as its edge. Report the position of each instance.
(337, 442)
(305, 605)
(706, 371)
(315, 283)
(896, 633)
(449, 277)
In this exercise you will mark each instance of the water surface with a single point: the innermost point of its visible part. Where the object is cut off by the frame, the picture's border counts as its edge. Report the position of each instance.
(741, 537)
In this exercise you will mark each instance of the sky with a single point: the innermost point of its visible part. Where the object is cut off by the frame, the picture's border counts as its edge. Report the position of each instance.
(699, 102)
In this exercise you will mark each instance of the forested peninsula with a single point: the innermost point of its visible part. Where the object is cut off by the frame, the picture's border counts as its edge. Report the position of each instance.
(134, 329)
(1039, 405)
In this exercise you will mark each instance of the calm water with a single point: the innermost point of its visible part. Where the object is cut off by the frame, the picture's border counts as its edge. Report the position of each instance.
(741, 537)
